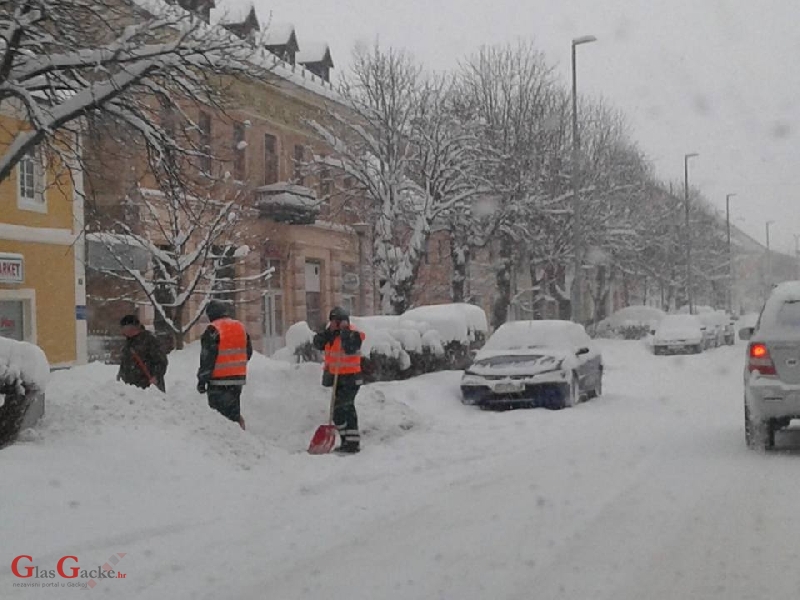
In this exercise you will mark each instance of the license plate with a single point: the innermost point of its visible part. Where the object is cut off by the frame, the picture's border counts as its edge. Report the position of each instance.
(508, 388)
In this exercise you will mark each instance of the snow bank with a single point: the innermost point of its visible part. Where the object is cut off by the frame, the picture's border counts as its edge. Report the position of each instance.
(298, 334)
(451, 323)
(23, 364)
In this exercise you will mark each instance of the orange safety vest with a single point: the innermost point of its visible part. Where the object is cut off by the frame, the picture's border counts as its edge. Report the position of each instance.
(337, 361)
(231, 363)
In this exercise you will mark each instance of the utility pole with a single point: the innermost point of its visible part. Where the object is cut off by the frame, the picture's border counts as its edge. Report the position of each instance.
(797, 253)
(730, 254)
(577, 280)
(769, 260)
(688, 292)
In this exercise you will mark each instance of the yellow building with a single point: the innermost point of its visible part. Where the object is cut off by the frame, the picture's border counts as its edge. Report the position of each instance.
(42, 293)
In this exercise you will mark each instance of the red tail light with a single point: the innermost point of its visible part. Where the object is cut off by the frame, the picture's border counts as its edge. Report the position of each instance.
(760, 360)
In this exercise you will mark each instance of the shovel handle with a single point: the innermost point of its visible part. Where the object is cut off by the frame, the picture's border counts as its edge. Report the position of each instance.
(333, 396)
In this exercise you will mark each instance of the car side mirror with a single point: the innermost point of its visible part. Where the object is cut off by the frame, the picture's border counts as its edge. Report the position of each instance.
(745, 333)
(583, 350)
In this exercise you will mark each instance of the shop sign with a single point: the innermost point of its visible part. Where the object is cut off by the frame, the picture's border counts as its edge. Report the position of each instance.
(11, 268)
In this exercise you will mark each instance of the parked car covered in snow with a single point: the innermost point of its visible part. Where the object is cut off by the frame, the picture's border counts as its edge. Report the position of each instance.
(679, 333)
(631, 322)
(534, 363)
(772, 367)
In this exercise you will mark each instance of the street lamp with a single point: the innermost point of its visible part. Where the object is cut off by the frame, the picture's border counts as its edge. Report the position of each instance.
(686, 158)
(577, 281)
(797, 254)
(769, 258)
(730, 255)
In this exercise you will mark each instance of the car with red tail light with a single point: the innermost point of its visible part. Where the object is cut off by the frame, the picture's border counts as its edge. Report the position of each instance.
(772, 367)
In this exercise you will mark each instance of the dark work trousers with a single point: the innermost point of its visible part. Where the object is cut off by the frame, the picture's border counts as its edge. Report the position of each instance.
(345, 417)
(225, 399)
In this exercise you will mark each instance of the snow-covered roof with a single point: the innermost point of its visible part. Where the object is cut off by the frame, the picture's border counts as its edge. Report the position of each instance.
(23, 365)
(261, 57)
(278, 34)
(314, 52)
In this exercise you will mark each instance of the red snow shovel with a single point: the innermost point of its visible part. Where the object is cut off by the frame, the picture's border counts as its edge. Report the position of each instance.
(325, 436)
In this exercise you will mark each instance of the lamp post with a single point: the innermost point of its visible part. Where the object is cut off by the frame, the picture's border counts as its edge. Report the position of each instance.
(577, 281)
(769, 258)
(730, 255)
(797, 253)
(686, 158)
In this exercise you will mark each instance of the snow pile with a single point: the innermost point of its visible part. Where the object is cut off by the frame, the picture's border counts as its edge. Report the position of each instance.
(432, 341)
(451, 323)
(23, 365)
(410, 339)
(298, 335)
(376, 323)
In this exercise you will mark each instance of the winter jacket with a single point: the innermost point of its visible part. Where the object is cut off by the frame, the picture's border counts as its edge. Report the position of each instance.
(143, 358)
(342, 348)
(220, 344)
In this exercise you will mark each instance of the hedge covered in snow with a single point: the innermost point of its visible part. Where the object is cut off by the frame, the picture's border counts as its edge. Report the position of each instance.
(423, 340)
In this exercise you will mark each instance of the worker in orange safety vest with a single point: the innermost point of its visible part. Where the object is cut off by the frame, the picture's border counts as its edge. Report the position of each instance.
(341, 343)
(225, 350)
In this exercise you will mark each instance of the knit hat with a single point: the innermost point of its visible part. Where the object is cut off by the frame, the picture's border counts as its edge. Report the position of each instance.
(129, 320)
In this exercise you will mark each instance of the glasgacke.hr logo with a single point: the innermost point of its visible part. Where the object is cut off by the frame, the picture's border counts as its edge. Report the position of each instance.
(67, 567)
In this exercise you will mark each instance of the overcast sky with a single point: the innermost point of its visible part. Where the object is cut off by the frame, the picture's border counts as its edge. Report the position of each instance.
(717, 77)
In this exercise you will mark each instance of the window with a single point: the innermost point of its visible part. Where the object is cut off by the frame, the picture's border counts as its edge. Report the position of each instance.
(314, 294)
(350, 287)
(224, 273)
(12, 320)
(299, 159)
(30, 183)
(271, 159)
(204, 123)
(273, 306)
(324, 180)
(240, 152)
(168, 120)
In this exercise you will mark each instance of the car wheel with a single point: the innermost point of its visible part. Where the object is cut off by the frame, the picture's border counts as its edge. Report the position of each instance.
(572, 397)
(656, 349)
(759, 435)
(698, 349)
(598, 390)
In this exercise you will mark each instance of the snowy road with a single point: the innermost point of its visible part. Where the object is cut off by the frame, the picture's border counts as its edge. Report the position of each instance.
(645, 493)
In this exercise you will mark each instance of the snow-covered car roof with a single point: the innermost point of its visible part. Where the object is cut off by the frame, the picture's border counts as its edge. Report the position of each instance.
(637, 313)
(522, 335)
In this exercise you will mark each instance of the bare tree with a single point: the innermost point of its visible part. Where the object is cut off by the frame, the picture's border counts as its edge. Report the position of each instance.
(509, 91)
(62, 61)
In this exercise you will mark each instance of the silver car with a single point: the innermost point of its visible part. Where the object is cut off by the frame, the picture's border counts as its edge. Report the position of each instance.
(772, 367)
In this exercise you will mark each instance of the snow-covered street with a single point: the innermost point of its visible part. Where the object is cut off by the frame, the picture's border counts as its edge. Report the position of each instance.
(646, 492)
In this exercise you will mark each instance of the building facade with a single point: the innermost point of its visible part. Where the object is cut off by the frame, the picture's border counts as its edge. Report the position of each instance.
(42, 284)
(297, 225)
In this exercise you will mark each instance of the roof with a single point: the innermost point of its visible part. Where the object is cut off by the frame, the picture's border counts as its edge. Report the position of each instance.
(315, 52)
(261, 57)
(279, 34)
